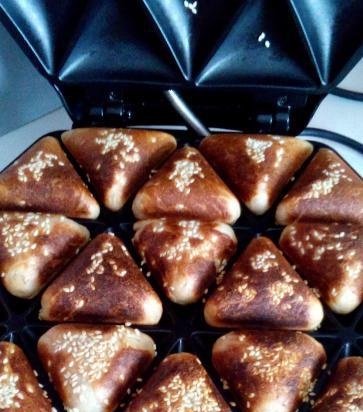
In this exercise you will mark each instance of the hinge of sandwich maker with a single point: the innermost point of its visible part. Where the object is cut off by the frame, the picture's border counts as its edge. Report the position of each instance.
(282, 116)
(115, 111)
(120, 110)
(278, 121)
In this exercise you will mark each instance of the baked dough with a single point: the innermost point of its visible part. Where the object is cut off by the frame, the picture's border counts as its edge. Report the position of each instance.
(330, 257)
(268, 371)
(263, 290)
(328, 190)
(103, 284)
(34, 247)
(118, 161)
(44, 180)
(256, 167)
(185, 256)
(344, 392)
(92, 367)
(180, 383)
(19, 387)
(186, 187)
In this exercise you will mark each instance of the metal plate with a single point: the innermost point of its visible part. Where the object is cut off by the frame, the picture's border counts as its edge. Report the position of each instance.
(181, 328)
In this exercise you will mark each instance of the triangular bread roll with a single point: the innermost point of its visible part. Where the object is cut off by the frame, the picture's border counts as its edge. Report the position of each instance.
(268, 371)
(34, 247)
(93, 367)
(344, 392)
(263, 290)
(256, 167)
(180, 383)
(330, 257)
(184, 255)
(186, 187)
(19, 387)
(103, 284)
(328, 190)
(43, 180)
(118, 161)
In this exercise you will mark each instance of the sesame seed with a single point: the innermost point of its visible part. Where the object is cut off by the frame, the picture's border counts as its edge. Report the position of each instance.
(190, 230)
(261, 37)
(192, 395)
(256, 149)
(34, 169)
(9, 390)
(184, 174)
(89, 356)
(334, 174)
(69, 289)
(269, 361)
(264, 261)
(279, 290)
(120, 145)
(20, 233)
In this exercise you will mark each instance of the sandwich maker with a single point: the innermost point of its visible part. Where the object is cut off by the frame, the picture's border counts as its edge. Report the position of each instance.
(188, 67)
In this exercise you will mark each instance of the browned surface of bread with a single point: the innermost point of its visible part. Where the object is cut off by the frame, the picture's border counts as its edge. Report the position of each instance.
(330, 257)
(328, 190)
(92, 367)
(180, 383)
(118, 161)
(263, 290)
(344, 392)
(268, 371)
(103, 284)
(256, 167)
(185, 256)
(186, 187)
(43, 180)
(34, 247)
(19, 387)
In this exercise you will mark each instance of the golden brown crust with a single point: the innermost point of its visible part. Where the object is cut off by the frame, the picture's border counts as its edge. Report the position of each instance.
(43, 180)
(268, 371)
(186, 187)
(328, 190)
(103, 284)
(34, 247)
(263, 290)
(92, 367)
(118, 161)
(344, 392)
(180, 383)
(184, 255)
(19, 387)
(256, 167)
(330, 257)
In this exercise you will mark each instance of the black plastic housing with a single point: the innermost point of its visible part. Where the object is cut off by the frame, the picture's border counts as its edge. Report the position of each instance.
(255, 65)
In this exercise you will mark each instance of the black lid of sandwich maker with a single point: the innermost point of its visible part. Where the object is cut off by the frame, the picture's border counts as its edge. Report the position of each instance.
(256, 65)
